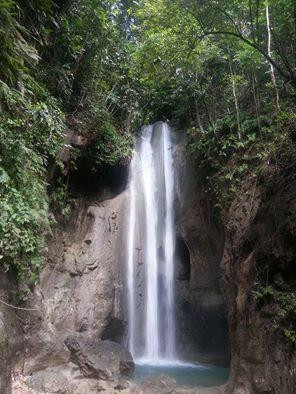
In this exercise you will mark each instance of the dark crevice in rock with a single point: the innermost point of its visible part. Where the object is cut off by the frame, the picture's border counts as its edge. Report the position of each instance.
(114, 331)
(183, 258)
(92, 180)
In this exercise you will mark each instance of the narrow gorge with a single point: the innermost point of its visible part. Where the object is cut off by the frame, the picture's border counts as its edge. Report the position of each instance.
(97, 293)
(130, 269)
(147, 197)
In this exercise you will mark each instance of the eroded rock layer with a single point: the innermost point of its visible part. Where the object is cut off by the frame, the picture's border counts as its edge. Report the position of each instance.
(258, 279)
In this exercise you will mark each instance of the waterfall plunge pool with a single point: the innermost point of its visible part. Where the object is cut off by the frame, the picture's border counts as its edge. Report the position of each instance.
(185, 374)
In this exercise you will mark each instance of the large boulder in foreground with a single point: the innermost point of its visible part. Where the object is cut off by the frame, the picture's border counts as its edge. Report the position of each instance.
(104, 360)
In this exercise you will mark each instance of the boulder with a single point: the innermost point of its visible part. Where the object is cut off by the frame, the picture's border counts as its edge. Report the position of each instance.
(97, 359)
(47, 352)
(51, 381)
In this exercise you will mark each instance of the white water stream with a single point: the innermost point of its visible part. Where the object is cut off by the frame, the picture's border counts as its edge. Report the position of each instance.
(150, 249)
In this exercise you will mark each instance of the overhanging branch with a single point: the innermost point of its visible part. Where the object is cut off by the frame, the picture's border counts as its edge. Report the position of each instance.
(285, 75)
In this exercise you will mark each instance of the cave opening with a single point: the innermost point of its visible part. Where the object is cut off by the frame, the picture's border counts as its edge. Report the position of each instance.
(90, 180)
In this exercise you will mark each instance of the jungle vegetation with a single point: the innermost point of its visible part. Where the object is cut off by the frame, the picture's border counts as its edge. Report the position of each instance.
(223, 69)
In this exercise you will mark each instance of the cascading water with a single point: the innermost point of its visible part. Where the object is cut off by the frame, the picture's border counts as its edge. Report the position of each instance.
(150, 264)
(169, 244)
(151, 244)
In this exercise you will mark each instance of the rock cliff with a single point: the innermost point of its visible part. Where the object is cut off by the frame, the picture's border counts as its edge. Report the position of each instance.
(80, 285)
(73, 336)
(80, 292)
(78, 305)
(201, 312)
(258, 279)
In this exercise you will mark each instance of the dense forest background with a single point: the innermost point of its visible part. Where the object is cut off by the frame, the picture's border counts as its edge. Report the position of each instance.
(225, 70)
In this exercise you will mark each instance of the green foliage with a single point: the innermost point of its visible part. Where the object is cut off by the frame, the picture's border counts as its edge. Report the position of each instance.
(111, 147)
(16, 53)
(27, 142)
(56, 59)
(283, 299)
(23, 201)
(290, 335)
(60, 200)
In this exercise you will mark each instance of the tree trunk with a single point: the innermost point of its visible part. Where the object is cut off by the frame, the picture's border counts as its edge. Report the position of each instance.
(198, 119)
(256, 98)
(277, 98)
(239, 133)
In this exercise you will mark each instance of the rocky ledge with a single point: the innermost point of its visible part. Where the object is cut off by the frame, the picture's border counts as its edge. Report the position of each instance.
(55, 381)
(93, 366)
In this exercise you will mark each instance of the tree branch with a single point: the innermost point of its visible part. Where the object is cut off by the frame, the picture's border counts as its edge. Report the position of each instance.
(230, 18)
(19, 308)
(285, 75)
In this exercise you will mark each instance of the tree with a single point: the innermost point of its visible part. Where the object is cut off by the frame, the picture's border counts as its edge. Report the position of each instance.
(243, 21)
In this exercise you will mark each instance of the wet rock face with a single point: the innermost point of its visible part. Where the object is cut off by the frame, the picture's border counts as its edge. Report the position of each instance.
(260, 248)
(80, 288)
(78, 302)
(98, 359)
(201, 313)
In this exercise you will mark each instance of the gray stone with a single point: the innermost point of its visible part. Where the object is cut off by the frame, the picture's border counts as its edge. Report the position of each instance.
(5, 359)
(47, 352)
(98, 359)
(159, 384)
(80, 286)
(11, 335)
(202, 329)
(49, 381)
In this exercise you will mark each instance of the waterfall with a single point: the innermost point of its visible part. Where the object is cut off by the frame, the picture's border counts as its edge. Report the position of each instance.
(150, 248)
(148, 175)
(169, 243)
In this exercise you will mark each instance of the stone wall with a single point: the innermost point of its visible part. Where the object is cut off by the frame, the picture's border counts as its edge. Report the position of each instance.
(201, 313)
(80, 287)
(260, 250)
